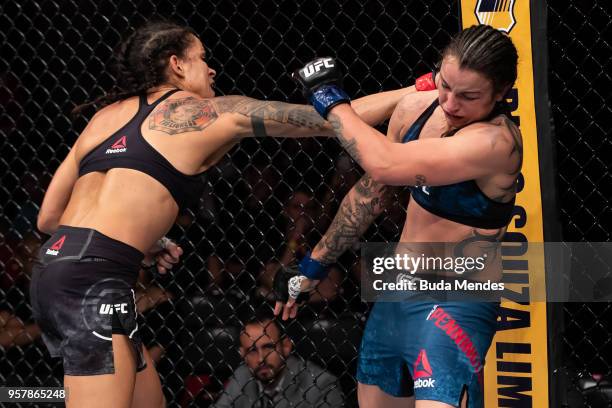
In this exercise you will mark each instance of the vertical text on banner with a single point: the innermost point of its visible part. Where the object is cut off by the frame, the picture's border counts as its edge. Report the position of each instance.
(516, 371)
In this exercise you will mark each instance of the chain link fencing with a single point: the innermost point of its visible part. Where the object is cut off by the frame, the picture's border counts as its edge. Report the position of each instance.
(580, 82)
(268, 200)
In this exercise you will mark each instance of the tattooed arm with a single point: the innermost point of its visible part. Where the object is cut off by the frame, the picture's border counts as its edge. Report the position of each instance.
(271, 118)
(368, 198)
(252, 117)
(363, 203)
(359, 208)
(479, 150)
(241, 117)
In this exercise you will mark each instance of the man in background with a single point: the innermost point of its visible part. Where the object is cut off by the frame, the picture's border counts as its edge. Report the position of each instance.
(271, 377)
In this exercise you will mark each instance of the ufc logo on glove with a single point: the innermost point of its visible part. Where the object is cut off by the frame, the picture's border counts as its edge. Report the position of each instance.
(314, 67)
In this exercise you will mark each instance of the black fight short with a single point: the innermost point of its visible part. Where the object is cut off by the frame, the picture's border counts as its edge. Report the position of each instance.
(82, 292)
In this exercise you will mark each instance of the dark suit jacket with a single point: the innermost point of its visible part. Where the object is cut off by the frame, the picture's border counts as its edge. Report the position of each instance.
(304, 385)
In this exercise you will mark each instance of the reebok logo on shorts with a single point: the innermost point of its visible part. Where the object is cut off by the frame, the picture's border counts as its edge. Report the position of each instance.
(55, 248)
(107, 309)
(119, 146)
(422, 372)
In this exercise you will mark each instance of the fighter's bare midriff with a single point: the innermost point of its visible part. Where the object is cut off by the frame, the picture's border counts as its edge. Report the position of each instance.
(124, 204)
(129, 205)
(421, 226)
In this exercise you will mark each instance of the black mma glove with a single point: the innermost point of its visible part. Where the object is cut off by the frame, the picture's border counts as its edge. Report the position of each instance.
(287, 283)
(321, 81)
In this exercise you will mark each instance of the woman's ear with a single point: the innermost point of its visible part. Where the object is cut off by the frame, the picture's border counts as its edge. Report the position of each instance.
(502, 95)
(176, 66)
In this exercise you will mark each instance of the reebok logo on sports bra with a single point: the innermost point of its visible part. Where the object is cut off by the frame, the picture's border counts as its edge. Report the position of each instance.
(119, 146)
(113, 153)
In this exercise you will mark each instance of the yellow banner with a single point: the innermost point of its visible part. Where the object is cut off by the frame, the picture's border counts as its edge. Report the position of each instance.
(516, 371)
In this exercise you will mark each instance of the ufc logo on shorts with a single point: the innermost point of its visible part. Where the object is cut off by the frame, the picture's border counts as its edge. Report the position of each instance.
(107, 309)
(310, 69)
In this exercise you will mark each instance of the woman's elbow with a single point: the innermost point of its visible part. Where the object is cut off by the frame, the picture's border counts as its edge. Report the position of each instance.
(389, 176)
(379, 173)
(46, 224)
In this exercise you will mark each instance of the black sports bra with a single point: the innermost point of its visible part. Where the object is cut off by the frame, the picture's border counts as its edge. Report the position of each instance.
(127, 148)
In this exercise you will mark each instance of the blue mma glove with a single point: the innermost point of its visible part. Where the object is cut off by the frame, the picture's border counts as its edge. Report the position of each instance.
(321, 82)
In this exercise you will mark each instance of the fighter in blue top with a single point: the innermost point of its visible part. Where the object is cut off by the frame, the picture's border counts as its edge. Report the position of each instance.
(457, 148)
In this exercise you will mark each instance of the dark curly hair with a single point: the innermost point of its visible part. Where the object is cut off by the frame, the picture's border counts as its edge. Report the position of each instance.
(140, 61)
(484, 49)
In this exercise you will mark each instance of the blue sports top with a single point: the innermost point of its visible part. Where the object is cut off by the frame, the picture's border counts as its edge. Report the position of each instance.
(127, 148)
(462, 202)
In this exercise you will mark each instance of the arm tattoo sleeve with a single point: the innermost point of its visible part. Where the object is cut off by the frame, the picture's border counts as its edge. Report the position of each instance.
(261, 112)
(191, 114)
(259, 127)
(350, 145)
(366, 200)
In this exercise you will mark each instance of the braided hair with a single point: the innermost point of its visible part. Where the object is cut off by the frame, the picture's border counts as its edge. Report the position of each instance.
(141, 60)
(488, 51)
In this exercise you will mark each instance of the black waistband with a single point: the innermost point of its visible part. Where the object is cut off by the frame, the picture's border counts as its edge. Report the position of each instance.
(78, 243)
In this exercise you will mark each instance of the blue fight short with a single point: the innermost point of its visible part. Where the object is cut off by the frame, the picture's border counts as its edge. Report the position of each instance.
(434, 351)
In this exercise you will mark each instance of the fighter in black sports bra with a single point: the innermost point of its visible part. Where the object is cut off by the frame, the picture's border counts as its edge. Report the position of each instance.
(102, 225)
(127, 148)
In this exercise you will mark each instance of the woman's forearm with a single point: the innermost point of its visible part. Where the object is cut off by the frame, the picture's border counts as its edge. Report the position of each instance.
(376, 108)
(365, 144)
